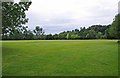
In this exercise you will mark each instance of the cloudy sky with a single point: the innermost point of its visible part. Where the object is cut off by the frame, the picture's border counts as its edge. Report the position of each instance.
(55, 16)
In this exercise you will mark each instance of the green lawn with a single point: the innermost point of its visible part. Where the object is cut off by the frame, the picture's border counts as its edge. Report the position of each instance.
(60, 58)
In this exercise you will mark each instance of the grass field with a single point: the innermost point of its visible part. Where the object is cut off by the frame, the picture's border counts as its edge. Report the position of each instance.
(60, 58)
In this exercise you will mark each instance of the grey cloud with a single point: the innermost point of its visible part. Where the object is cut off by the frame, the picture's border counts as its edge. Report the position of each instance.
(54, 23)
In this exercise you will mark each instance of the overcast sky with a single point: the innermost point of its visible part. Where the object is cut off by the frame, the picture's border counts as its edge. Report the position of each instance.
(61, 15)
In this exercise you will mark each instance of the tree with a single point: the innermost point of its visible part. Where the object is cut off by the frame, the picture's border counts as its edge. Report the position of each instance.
(74, 36)
(82, 32)
(118, 26)
(13, 17)
(76, 31)
(91, 34)
(62, 35)
(99, 35)
(56, 36)
(114, 29)
(49, 37)
(39, 32)
(28, 35)
(68, 36)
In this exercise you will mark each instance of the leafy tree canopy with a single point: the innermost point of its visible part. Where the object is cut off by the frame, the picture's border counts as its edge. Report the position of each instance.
(13, 16)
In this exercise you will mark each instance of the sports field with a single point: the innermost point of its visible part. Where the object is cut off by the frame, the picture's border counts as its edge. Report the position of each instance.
(60, 58)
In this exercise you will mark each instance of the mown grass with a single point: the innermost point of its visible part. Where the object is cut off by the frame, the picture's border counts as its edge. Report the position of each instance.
(60, 58)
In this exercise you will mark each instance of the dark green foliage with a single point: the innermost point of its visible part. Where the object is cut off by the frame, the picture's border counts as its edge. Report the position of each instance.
(118, 26)
(99, 35)
(28, 35)
(13, 17)
(93, 32)
(56, 36)
(114, 29)
(39, 32)
(49, 37)
(63, 35)
(98, 28)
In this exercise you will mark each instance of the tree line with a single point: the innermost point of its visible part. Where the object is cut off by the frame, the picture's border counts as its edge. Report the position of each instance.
(14, 18)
